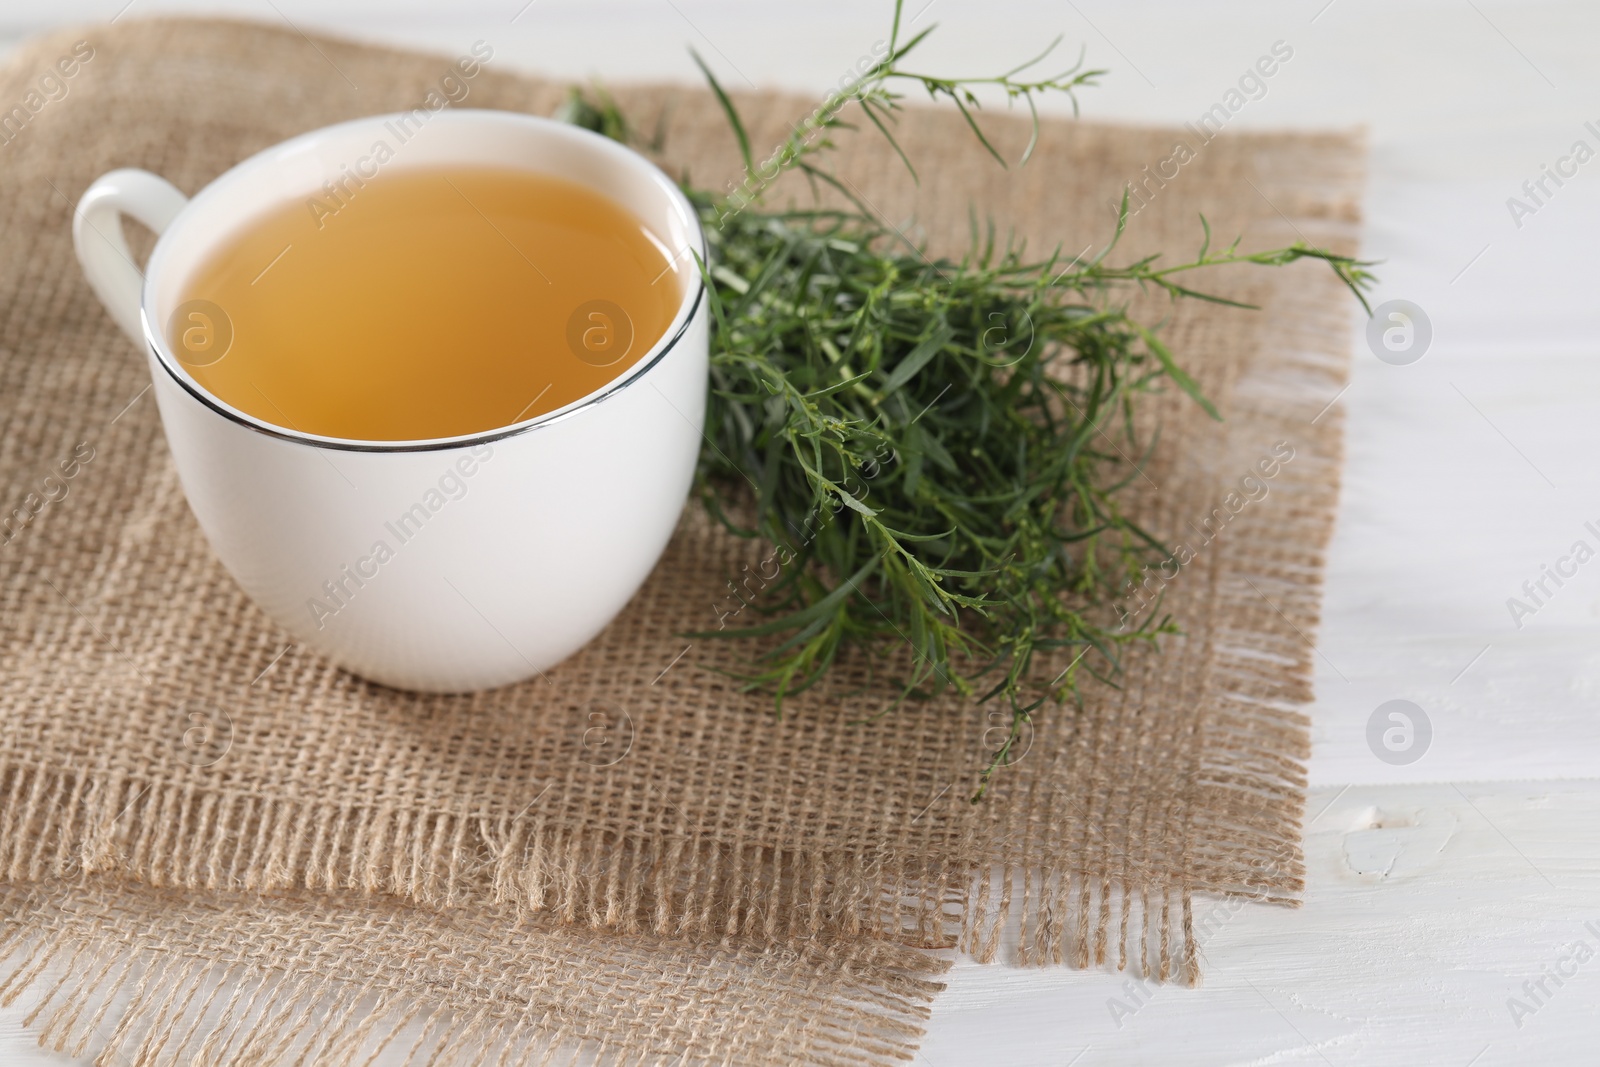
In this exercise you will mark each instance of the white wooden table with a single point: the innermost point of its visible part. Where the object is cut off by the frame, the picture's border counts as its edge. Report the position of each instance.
(1437, 887)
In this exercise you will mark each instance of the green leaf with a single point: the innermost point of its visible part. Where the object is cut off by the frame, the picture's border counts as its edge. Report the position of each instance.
(853, 504)
(919, 356)
(730, 111)
(1177, 373)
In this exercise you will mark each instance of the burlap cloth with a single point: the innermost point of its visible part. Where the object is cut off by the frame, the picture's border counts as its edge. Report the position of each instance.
(635, 857)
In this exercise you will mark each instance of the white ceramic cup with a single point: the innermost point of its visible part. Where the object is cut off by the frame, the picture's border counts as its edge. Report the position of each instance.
(504, 551)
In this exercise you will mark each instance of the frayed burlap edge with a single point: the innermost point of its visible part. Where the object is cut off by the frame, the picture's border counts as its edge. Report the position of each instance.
(133, 974)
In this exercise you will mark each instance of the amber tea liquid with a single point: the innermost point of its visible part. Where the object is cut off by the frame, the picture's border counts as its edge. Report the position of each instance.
(426, 303)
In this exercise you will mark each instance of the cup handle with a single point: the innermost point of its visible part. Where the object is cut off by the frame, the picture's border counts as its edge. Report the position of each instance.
(102, 249)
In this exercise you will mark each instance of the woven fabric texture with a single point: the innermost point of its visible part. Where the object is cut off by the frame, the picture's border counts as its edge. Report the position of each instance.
(691, 818)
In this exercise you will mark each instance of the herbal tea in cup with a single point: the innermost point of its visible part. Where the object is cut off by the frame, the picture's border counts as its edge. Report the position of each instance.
(433, 302)
(437, 401)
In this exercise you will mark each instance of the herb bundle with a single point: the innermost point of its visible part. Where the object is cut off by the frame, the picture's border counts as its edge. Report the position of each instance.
(935, 446)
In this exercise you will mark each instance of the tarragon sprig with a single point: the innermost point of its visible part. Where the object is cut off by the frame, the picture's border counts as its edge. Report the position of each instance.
(936, 447)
